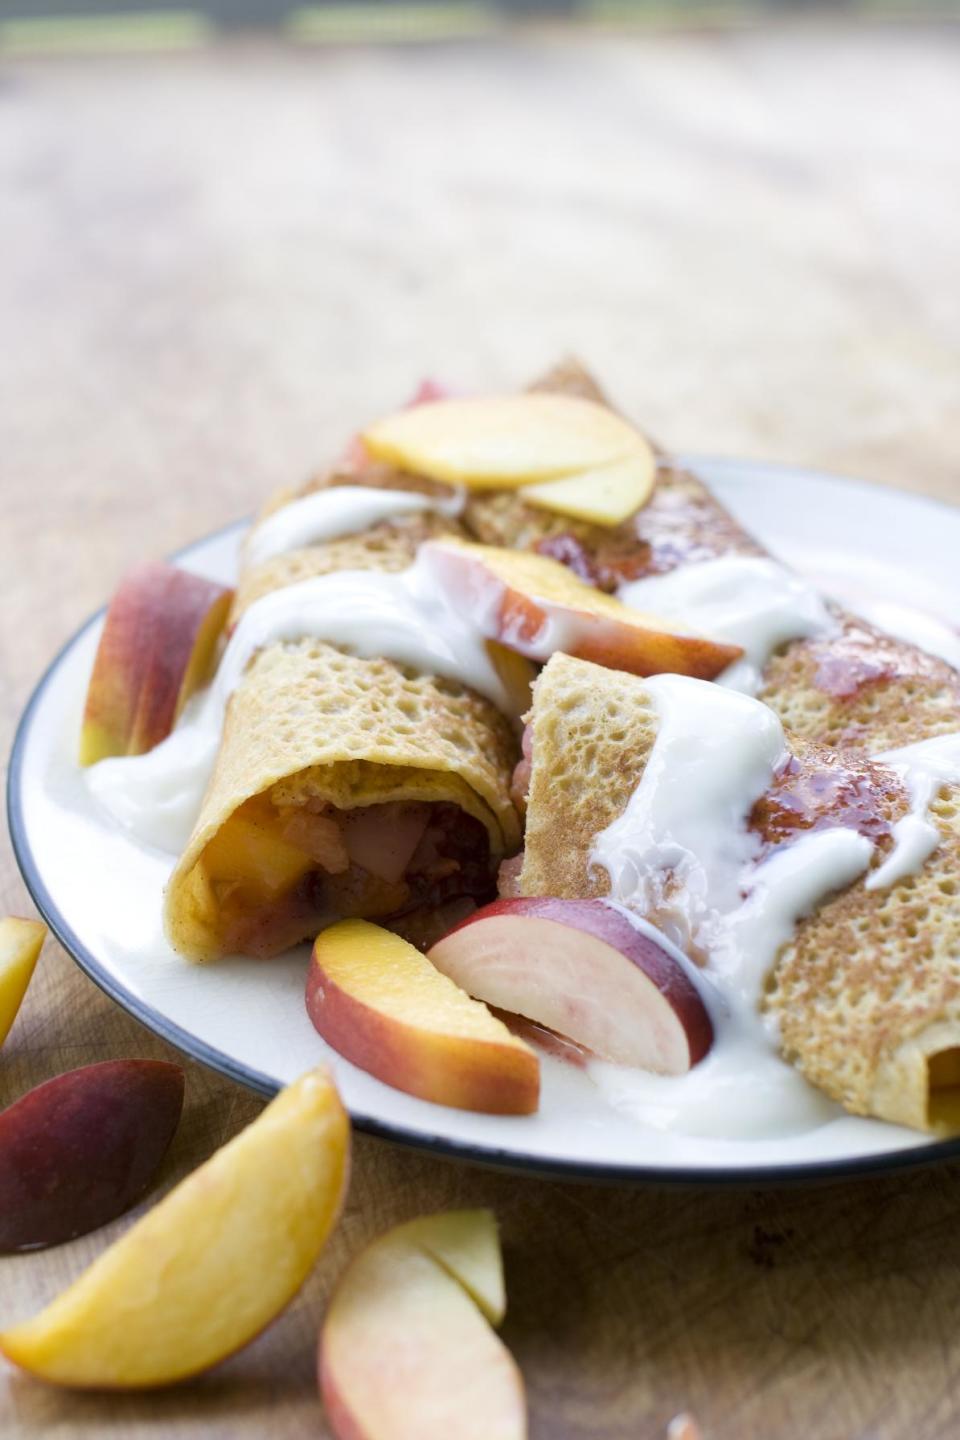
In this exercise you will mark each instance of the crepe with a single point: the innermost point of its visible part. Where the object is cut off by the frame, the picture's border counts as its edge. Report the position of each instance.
(343, 787)
(867, 993)
(855, 687)
(389, 546)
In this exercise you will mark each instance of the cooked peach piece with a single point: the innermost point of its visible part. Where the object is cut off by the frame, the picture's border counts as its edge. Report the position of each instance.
(406, 1352)
(537, 606)
(20, 944)
(384, 1007)
(211, 1265)
(158, 647)
(585, 970)
(503, 441)
(82, 1148)
(607, 495)
(254, 856)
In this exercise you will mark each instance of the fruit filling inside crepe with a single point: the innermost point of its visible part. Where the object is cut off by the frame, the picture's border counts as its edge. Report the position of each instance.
(280, 873)
(771, 820)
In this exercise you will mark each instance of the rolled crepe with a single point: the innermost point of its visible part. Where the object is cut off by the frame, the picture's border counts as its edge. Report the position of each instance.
(867, 992)
(343, 787)
(390, 545)
(854, 687)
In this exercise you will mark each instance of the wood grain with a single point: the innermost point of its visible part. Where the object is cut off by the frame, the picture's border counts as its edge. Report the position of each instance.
(213, 266)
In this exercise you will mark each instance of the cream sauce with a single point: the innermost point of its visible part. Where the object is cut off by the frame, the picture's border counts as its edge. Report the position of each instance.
(745, 600)
(407, 618)
(338, 511)
(925, 768)
(716, 752)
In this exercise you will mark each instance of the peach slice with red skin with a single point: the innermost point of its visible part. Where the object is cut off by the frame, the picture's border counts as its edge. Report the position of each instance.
(210, 1266)
(381, 1005)
(157, 647)
(406, 1350)
(20, 944)
(537, 606)
(584, 969)
(82, 1148)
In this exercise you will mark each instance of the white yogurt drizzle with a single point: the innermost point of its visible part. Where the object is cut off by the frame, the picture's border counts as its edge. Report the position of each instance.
(337, 511)
(715, 754)
(924, 768)
(743, 599)
(408, 618)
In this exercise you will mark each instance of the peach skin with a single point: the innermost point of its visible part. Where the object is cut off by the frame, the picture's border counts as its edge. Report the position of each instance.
(158, 646)
(211, 1265)
(384, 1007)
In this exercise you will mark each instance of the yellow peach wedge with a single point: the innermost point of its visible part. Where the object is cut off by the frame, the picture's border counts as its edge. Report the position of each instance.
(607, 495)
(157, 647)
(536, 606)
(20, 944)
(211, 1265)
(406, 1350)
(503, 441)
(383, 1006)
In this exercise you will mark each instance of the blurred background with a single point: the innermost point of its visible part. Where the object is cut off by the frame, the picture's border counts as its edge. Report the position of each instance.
(233, 230)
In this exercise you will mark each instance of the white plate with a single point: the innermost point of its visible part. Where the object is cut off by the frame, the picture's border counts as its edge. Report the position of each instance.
(100, 891)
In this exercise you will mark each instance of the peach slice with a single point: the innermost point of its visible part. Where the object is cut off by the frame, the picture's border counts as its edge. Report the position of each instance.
(384, 1007)
(406, 1352)
(517, 675)
(504, 441)
(158, 646)
(211, 1265)
(605, 496)
(537, 606)
(79, 1150)
(20, 944)
(584, 969)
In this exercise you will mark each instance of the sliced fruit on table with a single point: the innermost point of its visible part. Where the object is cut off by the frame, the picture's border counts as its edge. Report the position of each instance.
(381, 1005)
(20, 944)
(211, 1265)
(501, 442)
(406, 1350)
(607, 495)
(584, 969)
(158, 647)
(81, 1149)
(537, 606)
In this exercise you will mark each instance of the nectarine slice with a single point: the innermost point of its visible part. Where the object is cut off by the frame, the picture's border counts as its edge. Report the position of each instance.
(255, 856)
(537, 606)
(384, 1007)
(82, 1148)
(157, 647)
(211, 1265)
(503, 441)
(584, 969)
(405, 1350)
(607, 495)
(20, 944)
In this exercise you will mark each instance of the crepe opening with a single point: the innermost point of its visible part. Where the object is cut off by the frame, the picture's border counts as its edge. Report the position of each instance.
(943, 1089)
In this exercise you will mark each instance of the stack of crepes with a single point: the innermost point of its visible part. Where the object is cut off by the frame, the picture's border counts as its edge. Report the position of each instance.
(343, 786)
(396, 786)
(867, 994)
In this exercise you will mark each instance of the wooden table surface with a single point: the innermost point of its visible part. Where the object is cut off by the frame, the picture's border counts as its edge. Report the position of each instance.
(211, 267)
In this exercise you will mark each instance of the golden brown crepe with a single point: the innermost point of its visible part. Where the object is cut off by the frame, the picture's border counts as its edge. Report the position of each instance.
(867, 994)
(343, 787)
(857, 687)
